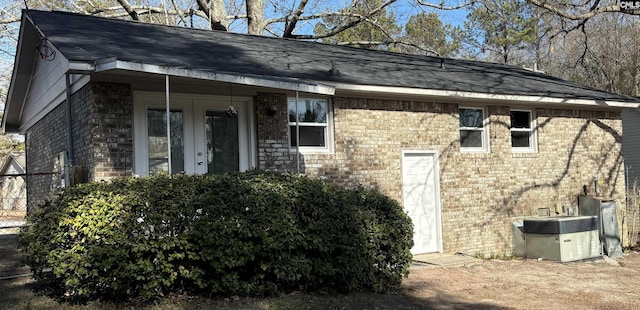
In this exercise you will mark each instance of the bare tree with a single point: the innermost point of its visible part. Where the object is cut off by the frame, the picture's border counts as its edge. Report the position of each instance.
(602, 55)
(573, 10)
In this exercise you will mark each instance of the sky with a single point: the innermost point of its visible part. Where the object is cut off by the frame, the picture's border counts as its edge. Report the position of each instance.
(403, 9)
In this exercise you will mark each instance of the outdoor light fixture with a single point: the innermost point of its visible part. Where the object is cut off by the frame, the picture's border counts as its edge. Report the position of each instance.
(272, 110)
(231, 111)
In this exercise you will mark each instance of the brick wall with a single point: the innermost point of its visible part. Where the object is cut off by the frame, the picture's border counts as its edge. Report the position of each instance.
(481, 194)
(45, 141)
(112, 131)
(81, 127)
(102, 138)
(273, 138)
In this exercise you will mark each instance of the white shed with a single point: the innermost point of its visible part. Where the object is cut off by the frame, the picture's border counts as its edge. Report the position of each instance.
(13, 186)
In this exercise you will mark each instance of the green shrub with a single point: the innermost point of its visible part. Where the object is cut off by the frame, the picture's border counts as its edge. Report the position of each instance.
(249, 234)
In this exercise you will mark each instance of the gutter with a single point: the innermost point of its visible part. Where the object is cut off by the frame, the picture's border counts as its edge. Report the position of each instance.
(229, 77)
(69, 127)
(487, 97)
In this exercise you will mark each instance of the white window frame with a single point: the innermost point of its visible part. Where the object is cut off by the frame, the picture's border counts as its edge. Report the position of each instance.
(533, 146)
(485, 131)
(328, 129)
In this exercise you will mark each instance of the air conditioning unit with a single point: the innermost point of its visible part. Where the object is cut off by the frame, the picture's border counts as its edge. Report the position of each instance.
(605, 211)
(562, 238)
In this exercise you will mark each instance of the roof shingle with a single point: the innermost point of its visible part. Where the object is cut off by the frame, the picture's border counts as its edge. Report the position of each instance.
(89, 39)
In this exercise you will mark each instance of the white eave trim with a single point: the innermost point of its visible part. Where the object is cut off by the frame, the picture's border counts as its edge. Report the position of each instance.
(390, 90)
(80, 67)
(244, 79)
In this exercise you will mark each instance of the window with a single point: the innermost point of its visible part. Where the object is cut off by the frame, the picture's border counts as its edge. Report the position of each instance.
(157, 147)
(473, 130)
(522, 133)
(313, 125)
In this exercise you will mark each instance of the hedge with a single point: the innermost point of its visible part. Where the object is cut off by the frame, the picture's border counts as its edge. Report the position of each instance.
(245, 234)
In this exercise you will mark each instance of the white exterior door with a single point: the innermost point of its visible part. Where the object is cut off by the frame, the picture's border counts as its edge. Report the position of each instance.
(206, 137)
(421, 199)
(222, 138)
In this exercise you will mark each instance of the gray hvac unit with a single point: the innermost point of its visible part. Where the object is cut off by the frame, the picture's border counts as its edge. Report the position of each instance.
(605, 210)
(562, 238)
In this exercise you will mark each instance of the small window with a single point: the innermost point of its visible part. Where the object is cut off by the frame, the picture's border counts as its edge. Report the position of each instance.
(473, 130)
(522, 131)
(313, 126)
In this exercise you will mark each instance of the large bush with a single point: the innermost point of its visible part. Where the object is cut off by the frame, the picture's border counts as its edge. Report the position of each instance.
(245, 234)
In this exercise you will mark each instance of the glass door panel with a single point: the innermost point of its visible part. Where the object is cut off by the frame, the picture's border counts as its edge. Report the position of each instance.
(221, 138)
(157, 141)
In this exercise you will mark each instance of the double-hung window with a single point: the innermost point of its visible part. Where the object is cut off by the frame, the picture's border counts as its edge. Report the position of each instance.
(310, 125)
(473, 130)
(522, 131)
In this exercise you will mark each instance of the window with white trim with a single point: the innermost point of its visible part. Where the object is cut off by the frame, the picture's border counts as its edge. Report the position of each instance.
(313, 128)
(522, 131)
(473, 130)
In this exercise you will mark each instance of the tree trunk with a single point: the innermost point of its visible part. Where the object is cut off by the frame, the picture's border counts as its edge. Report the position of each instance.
(216, 12)
(255, 16)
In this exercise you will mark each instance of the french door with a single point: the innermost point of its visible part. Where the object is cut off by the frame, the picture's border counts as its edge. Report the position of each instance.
(207, 134)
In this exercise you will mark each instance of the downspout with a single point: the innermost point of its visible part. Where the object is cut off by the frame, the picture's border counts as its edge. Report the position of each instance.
(70, 159)
(297, 137)
(166, 90)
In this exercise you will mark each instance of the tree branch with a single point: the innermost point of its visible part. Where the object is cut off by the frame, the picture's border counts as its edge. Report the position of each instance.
(127, 7)
(386, 43)
(442, 6)
(10, 20)
(293, 20)
(215, 23)
(343, 27)
(180, 13)
(593, 11)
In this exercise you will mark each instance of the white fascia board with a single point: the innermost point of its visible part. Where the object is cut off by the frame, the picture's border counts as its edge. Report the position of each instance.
(20, 89)
(390, 90)
(244, 79)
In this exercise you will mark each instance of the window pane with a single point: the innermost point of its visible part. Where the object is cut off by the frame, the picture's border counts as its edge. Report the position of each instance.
(222, 142)
(520, 119)
(470, 138)
(471, 118)
(309, 111)
(157, 141)
(309, 136)
(520, 139)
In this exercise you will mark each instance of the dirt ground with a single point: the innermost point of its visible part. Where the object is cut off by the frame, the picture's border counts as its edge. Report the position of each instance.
(490, 284)
(530, 284)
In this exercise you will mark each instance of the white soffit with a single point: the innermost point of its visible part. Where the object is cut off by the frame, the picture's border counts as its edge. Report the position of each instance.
(391, 90)
(253, 80)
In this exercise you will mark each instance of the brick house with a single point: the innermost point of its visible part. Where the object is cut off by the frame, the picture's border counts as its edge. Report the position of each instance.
(467, 147)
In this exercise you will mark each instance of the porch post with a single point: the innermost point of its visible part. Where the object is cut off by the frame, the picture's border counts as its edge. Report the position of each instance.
(297, 138)
(168, 123)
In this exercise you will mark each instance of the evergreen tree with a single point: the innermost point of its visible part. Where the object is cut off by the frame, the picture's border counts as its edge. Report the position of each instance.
(374, 32)
(502, 30)
(425, 33)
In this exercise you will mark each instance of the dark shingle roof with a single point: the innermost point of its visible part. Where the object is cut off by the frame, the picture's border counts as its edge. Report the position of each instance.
(87, 38)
